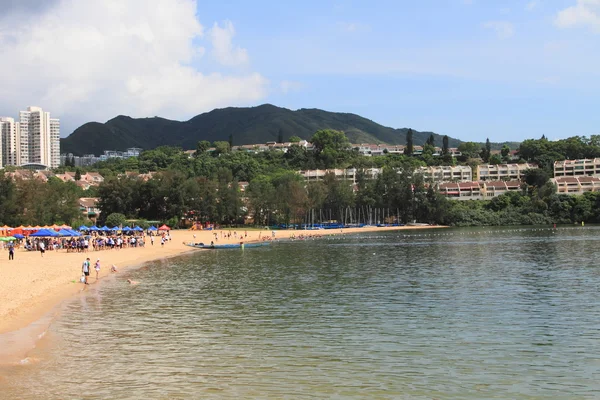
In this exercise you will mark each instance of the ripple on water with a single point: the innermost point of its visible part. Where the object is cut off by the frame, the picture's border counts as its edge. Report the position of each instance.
(460, 314)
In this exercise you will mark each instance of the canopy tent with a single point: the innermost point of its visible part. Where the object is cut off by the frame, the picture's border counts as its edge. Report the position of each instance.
(153, 228)
(7, 238)
(164, 228)
(64, 232)
(75, 233)
(105, 229)
(18, 236)
(65, 226)
(83, 228)
(94, 228)
(138, 229)
(127, 229)
(44, 233)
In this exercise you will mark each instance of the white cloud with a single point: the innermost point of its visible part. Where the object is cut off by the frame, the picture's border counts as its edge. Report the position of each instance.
(94, 60)
(353, 27)
(290, 86)
(532, 5)
(503, 29)
(583, 13)
(223, 49)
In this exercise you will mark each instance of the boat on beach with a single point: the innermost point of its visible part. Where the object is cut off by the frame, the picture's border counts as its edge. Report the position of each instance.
(227, 246)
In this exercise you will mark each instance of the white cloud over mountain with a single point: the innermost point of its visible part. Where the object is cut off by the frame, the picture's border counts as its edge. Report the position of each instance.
(93, 60)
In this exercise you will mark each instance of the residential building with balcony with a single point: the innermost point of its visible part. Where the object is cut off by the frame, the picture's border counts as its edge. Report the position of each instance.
(502, 172)
(583, 167)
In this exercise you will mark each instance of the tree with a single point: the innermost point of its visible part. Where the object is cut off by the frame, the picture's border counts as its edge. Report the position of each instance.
(469, 150)
(202, 146)
(430, 140)
(409, 149)
(505, 152)
(445, 145)
(221, 147)
(486, 151)
(231, 140)
(116, 219)
(330, 147)
(77, 175)
(495, 159)
(295, 139)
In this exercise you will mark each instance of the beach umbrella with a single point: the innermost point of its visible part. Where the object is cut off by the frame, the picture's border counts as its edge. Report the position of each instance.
(153, 228)
(94, 228)
(19, 236)
(44, 233)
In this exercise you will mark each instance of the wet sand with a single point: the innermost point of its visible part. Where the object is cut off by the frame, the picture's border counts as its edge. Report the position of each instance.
(31, 285)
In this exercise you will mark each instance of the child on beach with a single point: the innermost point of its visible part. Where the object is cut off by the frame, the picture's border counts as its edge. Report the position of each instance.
(97, 268)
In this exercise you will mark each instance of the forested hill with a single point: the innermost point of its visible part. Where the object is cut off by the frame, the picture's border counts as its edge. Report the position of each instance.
(246, 125)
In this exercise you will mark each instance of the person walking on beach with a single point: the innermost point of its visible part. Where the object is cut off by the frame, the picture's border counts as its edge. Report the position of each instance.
(97, 268)
(152, 240)
(42, 247)
(11, 251)
(85, 268)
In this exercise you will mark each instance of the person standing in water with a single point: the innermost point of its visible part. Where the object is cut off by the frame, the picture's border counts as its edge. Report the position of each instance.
(97, 268)
(85, 268)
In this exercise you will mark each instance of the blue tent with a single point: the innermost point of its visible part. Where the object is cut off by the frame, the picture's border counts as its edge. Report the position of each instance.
(83, 228)
(138, 229)
(127, 229)
(44, 233)
(105, 228)
(74, 233)
(18, 236)
(65, 232)
(153, 228)
(94, 228)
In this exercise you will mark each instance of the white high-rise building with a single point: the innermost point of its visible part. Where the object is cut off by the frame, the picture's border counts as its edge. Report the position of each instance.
(10, 142)
(39, 138)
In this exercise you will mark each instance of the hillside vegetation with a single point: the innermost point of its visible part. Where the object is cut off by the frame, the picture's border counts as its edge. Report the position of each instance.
(243, 125)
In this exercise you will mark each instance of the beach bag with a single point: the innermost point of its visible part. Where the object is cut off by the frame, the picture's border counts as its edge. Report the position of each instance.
(82, 279)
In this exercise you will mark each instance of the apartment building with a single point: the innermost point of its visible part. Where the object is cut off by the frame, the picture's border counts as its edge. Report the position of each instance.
(584, 167)
(9, 141)
(34, 140)
(481, 190)
(459, 173)
(503, 172)
(576, 184)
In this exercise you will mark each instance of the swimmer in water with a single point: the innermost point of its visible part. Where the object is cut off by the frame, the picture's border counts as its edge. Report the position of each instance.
(132, 282)
(113, 268)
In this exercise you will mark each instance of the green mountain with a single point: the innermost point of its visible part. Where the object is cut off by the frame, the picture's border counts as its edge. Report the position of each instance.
(246, 125)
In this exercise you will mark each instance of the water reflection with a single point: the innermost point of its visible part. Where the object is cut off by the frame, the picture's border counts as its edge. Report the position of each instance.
(463, 314)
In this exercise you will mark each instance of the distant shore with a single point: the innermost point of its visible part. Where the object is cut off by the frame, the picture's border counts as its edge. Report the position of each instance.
(33, 285)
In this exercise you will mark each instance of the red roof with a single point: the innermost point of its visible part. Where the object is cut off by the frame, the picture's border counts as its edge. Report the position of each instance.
(164, 228)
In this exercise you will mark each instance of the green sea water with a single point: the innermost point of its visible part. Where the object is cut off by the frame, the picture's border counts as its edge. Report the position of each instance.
(436, 314)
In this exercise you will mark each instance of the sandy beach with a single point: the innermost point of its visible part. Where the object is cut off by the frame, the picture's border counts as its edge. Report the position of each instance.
(32, 285)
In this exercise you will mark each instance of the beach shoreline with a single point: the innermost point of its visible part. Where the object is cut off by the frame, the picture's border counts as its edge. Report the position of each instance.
(33, 286)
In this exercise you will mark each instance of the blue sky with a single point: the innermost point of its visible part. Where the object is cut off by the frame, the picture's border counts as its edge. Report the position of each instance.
(471, 69)
(467, 69)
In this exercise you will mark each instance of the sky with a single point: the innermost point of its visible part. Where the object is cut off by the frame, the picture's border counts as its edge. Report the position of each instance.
(471, 69)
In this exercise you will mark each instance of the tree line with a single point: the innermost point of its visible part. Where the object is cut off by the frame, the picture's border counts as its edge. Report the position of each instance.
(206, 187)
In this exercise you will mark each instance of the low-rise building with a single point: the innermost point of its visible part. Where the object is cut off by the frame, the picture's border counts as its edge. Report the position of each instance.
(459, 173)
(583, 167)
(89, 207)
(502, 171)
(574, 185)
(482, 190)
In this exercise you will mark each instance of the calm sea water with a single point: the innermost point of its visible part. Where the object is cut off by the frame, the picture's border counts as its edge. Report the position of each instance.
(444, 314)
